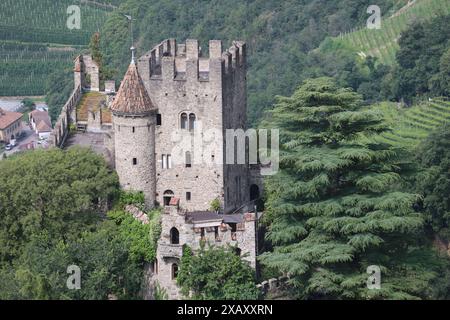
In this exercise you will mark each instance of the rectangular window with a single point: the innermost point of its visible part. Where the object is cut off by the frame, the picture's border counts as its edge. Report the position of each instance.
(158, 119)
(169, 161)
(188, 196)
(164, 161)
(134, 161)
(134, 130)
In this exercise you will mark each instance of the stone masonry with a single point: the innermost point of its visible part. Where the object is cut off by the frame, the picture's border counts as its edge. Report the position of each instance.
(169, 98)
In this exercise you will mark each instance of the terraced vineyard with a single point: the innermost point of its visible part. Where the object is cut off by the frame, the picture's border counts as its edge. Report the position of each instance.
(35, 40)
(411, 125)
(382, 43)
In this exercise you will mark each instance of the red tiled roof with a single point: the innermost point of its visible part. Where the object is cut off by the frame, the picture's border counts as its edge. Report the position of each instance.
(7, 118)
(132, 97)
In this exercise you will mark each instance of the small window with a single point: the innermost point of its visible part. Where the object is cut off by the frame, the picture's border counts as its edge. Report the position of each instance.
(134, 161)
(184, 121)
(164, 161)
(169, 161)
(188, 196)
(174, 271)
(192, 119)
(188, 160)
(134, 130)
(158, 119)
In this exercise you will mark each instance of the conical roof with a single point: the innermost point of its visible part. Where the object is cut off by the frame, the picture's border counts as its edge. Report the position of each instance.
(132, 97)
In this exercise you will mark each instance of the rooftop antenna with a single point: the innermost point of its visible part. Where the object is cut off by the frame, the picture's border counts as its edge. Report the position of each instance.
(133, 49)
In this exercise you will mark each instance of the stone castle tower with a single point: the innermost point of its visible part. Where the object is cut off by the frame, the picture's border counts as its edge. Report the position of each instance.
(170, 118)
(192, 91)
(134, 121)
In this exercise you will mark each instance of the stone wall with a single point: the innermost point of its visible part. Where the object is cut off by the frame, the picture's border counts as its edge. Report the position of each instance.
(66, 117)
(135, 154)
(215, 232)
(91, 68)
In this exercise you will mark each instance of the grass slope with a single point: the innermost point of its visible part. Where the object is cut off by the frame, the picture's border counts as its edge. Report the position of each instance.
(411, 125)
(382, 43)
(35, 40)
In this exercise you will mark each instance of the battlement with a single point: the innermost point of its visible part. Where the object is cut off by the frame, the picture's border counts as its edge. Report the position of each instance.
(172, 61)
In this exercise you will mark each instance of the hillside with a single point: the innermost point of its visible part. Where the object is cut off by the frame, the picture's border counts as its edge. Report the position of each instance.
(35, 40)
(382, 43)
(412, 125)
(279, 34)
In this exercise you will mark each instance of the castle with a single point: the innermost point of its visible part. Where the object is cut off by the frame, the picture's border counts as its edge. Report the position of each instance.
(170, 99)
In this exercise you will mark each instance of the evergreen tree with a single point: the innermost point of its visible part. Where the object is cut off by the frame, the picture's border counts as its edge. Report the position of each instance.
(332, 208)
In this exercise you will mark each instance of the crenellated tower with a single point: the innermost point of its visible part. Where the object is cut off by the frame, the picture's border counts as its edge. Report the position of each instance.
(190, 90)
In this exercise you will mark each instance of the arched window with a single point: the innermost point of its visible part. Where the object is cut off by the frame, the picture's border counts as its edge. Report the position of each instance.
(192, 119)
(174, 271)
(184, 121)
(168, 195)
(188, 161)
(174, 236)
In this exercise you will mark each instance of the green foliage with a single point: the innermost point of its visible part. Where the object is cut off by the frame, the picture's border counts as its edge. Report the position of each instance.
(279, 35)
(35, 41)
(142, 238)
(59, 86)
(422, 60)
(334, 206)
(130, 197)
(58, 191)
(27, 105)
(52, 206)
(433, 181)
(216, 274)
(382, 43)
(215, 205)
(410, 126)
(103, 258)
(160, 293)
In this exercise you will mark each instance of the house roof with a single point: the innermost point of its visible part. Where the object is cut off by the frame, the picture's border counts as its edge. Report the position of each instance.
(202, 216)
(43, 127)
(7, 118)
(132, 97)
(42, 120)
(39, 116)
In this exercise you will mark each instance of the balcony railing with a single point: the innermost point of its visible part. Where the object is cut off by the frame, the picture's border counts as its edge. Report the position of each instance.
(170, 250)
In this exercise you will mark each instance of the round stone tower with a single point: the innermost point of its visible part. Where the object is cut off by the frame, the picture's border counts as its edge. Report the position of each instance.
(134, 121)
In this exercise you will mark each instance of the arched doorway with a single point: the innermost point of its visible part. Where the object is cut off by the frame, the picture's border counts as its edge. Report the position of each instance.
(254, 192)
(174, 236)
(168, 195)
